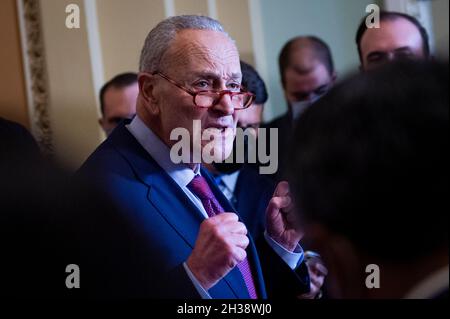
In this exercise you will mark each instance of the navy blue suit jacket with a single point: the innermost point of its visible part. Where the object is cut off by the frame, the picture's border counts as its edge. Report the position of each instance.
(165, 220)
(253, 193)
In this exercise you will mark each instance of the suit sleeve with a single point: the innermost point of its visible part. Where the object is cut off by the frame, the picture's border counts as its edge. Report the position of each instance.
(281, 281)
(177, 285)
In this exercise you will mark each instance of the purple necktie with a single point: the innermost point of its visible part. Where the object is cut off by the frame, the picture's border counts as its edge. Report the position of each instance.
(200, 187)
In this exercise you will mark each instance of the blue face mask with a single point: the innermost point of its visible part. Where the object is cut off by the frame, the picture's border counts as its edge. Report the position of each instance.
(301, 106)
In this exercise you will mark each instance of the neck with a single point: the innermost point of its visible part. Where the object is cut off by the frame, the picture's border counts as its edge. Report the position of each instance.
(154, 124)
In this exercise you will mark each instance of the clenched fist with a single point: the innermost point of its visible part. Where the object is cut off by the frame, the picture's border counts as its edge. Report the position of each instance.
(281, 219)
(220, 246)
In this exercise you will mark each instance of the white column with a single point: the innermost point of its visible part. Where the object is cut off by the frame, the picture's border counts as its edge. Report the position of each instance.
(95, 49)
(426, 18)
(212, 9)
(169, 7)
(26, 67)
(259, 49)
(396, 5)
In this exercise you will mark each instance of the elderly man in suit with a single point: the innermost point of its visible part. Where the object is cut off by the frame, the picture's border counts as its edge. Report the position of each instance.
(196, 244)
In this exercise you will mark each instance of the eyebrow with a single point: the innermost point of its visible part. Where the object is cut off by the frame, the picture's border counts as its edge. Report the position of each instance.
(384, 52)
(215, 76)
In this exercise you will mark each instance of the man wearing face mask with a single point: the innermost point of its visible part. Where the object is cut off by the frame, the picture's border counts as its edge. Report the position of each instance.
(307, 73)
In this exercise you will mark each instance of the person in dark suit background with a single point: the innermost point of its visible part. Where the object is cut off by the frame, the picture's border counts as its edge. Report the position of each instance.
(189, 70)
(370, 173)
(307, 73)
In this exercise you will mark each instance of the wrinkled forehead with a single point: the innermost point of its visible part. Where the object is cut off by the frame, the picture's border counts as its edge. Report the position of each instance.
(203, 51)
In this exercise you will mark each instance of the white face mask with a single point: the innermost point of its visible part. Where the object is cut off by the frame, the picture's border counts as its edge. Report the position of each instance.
(298, 108)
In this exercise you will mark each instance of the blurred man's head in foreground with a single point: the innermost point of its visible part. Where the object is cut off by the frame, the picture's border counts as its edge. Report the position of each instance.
(370, 169)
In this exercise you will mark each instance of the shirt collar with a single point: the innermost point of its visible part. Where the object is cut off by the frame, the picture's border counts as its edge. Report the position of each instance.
(160, 152)
(230, 180)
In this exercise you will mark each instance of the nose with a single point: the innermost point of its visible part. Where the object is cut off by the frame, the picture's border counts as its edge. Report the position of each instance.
(224, 106)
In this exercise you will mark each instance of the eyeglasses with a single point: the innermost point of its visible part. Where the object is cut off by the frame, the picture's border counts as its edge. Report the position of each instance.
(206, 99)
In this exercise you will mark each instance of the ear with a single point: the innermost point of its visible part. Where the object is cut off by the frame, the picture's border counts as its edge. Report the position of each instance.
(147, 92)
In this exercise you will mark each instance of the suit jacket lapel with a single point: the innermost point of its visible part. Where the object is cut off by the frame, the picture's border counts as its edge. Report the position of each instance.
(164, 194)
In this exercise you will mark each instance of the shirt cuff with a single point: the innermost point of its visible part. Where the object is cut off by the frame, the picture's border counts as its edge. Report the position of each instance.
(292, 258)
(202, 292)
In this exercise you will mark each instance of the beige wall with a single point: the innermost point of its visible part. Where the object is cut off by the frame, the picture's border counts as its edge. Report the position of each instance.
(72, 98)
(13, 101)
(235, 16)
(191, 7)
(123, 26)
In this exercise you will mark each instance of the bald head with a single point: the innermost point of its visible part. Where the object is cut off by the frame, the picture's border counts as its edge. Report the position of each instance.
(302, 53)
(307, 72)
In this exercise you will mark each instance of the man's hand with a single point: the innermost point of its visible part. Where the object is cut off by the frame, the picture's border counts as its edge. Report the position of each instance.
(317, 273)
(282, 225)
(220, 246)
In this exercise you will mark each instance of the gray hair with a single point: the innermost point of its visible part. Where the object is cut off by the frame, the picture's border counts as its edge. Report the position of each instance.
(160, 37)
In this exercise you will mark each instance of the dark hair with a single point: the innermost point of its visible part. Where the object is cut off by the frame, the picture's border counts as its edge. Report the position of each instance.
(119, 81)
(390, 16)
(254, 83)
(370, 160)
(320, 48)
